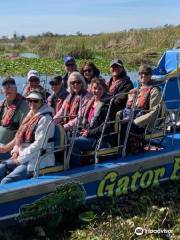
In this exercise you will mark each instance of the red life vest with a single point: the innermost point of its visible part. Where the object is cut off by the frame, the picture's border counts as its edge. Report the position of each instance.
(142, 101)
(71, 105)
(28, 135)
(7, 118)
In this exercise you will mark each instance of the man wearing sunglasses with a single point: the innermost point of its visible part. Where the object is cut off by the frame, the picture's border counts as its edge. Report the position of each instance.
(58, 95)
(12, 111)
(69, 67)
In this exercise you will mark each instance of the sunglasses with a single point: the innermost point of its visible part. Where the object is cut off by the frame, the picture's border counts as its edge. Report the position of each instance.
(87, 70)
(9, 85)
(144, 73)
(70, 65)
(34, 80)
(33, 100)
(54, 84)
(75, 82)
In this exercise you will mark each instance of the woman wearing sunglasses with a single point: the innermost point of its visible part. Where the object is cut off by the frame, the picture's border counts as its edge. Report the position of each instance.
(78, 96)
(59, 93)
(28, 142)
(93, 121)
(89, 71)
(145, 102)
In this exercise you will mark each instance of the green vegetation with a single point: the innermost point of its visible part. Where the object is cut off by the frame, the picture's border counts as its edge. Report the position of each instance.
(133, 47)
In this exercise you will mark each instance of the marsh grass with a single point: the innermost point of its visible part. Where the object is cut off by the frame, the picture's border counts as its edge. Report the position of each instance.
(133, 47)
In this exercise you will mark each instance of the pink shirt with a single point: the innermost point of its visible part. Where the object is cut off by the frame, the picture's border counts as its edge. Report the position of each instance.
(90, 114)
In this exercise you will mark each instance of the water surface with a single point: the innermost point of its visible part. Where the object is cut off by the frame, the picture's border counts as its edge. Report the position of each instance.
(21, 81)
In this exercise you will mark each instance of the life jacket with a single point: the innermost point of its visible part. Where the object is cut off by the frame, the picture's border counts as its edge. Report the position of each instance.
(142, 101)
(29, 133)
(7, 117)
(71, 106)
(57, 101)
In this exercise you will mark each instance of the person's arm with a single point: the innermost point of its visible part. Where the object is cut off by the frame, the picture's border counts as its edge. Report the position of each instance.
(122, 99)
(58, 116)
(99, 123)
(69, 125)
(147, 118)
(7, 147)
(39, 137)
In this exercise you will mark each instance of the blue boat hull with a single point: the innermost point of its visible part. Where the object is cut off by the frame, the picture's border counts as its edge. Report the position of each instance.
(115, 177)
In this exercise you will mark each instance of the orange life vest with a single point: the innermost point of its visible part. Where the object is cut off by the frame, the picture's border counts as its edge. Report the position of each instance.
(142, 101)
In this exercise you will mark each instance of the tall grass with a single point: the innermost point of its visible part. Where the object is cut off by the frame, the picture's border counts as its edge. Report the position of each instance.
(132, 46)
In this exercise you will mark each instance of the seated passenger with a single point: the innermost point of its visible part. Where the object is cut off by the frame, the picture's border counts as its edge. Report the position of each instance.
(12, 111)
(146, 101)
(69, 67)
(29, 139)
(33, 84)
(59, 93)
(89, 71)
(67, 115)
(93, 121)
(119, 83)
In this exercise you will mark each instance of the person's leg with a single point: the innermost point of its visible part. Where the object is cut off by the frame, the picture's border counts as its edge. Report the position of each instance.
(6, 165)
(2, 170)
(80, 144)
(4, 156)
(19, 173)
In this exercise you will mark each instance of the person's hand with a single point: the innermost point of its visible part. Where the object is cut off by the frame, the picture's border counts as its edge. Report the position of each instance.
(3, 149)
(84, 132)
(14, 157)
(58, 121)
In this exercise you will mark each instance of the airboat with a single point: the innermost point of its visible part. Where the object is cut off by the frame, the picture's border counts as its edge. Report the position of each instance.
(112, 172)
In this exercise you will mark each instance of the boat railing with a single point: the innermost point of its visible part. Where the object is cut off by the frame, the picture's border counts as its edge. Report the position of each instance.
(98, 150)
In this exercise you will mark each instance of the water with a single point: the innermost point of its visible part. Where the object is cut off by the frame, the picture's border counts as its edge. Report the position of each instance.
(21, 81)
(29, 55)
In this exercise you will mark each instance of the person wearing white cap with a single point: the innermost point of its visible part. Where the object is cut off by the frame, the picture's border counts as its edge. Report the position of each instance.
(33, 84)
(28, 142)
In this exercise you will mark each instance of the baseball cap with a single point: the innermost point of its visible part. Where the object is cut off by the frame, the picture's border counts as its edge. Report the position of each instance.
(56, 79)
(116, 62)
(8, 80)
(35, 95)
(32, 73)
(69, 59)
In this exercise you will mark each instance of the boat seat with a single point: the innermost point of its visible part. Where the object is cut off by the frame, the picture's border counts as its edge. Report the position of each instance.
(155, 135)
(101, 152)
(59, 143)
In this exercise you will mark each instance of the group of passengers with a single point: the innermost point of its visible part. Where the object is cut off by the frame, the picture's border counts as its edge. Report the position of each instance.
(27, 121)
